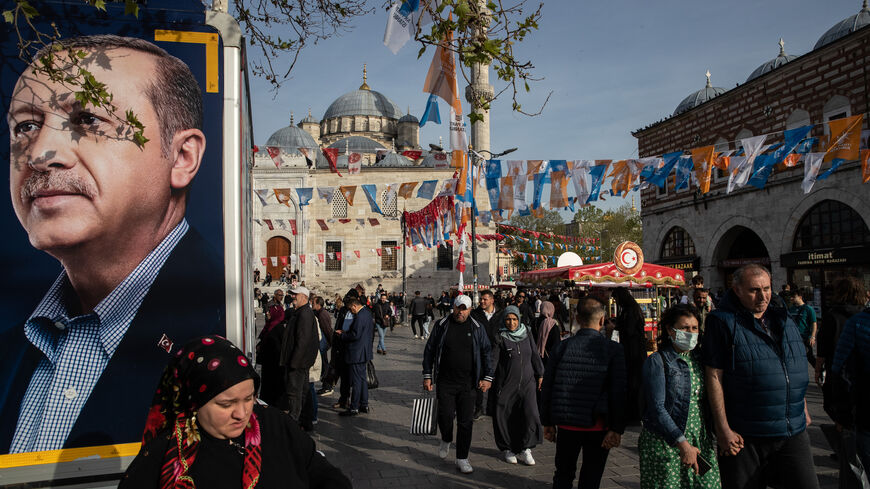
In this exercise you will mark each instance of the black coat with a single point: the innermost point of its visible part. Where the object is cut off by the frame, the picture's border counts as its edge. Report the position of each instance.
(357, 339)
(492, 325)
(289, 459)
(585, 379)
(128, 381)
(300, 340)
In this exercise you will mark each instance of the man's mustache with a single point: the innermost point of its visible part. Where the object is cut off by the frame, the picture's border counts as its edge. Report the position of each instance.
(55, 182)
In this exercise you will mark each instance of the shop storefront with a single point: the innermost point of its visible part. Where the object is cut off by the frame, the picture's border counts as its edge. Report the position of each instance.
(818, 270)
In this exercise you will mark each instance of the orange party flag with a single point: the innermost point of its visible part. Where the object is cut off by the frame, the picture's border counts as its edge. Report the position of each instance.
(703, 160)
(845, 138)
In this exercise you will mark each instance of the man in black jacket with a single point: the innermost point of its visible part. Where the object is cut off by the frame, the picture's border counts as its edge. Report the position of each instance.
(525, 310)
(418, 315)
(299, 351)
(492, 320)
(583, 394)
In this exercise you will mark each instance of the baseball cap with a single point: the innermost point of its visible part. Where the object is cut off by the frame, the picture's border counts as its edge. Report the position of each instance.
(462, 300)
(301, 290)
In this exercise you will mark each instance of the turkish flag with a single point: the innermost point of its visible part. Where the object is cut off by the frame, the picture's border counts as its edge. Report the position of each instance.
(338, 255)
(356, 252)
(275, 154)
(332, 157)
(264, 260)
(320, 257)
(284, 260)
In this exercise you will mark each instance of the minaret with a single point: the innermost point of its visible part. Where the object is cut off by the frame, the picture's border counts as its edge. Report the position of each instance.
(480, 88)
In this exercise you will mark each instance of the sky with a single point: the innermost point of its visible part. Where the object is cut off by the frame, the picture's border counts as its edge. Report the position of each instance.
(612, 67)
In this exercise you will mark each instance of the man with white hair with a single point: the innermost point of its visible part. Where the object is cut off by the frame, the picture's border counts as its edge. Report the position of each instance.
(299, 351)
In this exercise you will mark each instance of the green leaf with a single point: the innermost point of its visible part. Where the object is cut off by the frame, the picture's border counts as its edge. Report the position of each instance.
(9, 16)
(28, 10)
(475, 117)
(100, 4)
(131, 7)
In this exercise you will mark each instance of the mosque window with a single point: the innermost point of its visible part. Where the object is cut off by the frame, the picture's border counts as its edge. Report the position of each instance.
(333, 264)
(339, 204)
(830, 224)
(389, 204)
(677, 243)
(445, 257)
(389, 255)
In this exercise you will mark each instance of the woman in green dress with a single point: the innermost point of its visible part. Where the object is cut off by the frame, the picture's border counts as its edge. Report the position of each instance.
(676, 444)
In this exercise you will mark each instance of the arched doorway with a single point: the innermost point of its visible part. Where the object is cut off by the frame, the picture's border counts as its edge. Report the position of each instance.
(831, 241)
(678, 251)
(740, 246)
(277, 247)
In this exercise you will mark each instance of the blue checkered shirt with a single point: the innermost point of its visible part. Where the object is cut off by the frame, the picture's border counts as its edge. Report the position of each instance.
(77, 349)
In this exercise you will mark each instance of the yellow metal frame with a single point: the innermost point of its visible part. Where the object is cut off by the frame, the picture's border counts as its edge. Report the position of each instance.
(67, 455)
(211, 51)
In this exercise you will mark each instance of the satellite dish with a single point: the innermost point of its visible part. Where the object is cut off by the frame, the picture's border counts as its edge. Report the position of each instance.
(569, 259)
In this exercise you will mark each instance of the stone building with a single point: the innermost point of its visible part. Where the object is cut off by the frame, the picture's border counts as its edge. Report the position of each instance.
(368, 123)
(808, 240)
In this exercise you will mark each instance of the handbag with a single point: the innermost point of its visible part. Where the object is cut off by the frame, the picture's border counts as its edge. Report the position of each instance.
(371, 375)
(424, 416)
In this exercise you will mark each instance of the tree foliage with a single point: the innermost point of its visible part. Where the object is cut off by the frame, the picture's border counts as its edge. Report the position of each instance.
(483, 32)
(612, 226)
(549, 222)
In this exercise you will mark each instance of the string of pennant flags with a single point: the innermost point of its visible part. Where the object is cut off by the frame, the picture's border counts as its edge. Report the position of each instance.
(507, 182)
(536, 258)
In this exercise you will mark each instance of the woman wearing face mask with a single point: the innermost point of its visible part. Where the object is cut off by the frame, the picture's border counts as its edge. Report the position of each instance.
(676, 434)
(206, 430)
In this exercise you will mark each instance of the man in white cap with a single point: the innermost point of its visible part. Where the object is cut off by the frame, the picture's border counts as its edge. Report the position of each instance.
(298, 351)
(456, 358)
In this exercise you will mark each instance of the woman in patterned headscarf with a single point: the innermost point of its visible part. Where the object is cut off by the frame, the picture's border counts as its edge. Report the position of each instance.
(205, 429)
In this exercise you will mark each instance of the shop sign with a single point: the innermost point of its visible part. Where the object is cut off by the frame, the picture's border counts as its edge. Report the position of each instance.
(842, 256)
(739, 262)
(691, 265)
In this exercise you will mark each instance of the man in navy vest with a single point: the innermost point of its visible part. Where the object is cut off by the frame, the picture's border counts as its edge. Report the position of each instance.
(757, 380)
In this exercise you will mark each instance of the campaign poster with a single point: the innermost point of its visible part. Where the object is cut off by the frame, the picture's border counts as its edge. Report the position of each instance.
(113, 250)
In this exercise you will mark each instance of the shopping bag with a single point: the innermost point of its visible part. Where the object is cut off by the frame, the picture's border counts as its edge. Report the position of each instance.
(371, 375)
(424, 416)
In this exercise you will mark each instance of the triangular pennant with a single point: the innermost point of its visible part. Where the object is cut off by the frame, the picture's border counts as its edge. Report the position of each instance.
(348, 191)
(283, 195)
(331, 155)
(322, 224)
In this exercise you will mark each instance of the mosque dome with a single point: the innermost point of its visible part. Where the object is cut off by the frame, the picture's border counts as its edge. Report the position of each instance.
(845, 27)
(773, 64)
(290, 138)
(393, 160)
(309, 120)
(697, 98)
(409, 118)
(363, 101)
(358, 144)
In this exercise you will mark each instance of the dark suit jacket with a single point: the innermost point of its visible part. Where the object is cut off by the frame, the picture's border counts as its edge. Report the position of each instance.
(116, 410)
(300, 345)
(358, 338)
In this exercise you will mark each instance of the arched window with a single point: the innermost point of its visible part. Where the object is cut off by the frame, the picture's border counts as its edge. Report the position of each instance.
(388, 203)
(339, 204)
(798, 118)
(830, 224)
(837, 107)
(677, 243)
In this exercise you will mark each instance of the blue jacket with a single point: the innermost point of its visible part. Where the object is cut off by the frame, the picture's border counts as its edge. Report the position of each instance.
(852, 359)
(764, 381)
(358, 338)
(667, 387)
(585, 378)
(483, 368)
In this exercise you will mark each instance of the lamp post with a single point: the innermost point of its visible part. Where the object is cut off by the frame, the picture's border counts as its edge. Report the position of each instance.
(477, 158)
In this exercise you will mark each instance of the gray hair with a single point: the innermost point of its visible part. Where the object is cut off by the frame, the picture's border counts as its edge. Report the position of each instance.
(745, 271)
(173, 90)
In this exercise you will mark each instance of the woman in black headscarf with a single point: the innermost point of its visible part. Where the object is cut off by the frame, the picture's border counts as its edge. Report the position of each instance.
(630, 323)
(513, 401)
(205, 429)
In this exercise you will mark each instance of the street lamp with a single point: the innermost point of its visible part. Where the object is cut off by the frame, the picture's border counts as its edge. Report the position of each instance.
(477, 158)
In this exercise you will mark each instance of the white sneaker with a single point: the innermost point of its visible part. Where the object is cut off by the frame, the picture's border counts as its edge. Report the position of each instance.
(463, 466)
(526, 457)
(416, 336)
(510, 457)
(444, 449)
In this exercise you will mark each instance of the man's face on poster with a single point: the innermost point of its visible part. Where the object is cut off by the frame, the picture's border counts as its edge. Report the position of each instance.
(76, 176)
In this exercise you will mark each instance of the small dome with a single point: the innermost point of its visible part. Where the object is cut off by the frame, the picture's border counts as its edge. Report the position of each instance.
(772, 64)
(290, 138)
(845, 27)
(363, 102)
(309, 119)
(439, 157)
(409, 118)
(697, 98)
(358, 144)
(393, 160)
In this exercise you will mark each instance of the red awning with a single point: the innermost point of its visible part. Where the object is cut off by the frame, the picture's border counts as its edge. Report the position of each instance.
(605, 275)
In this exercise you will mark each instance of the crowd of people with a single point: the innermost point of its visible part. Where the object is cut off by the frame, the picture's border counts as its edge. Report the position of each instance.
(721, 401)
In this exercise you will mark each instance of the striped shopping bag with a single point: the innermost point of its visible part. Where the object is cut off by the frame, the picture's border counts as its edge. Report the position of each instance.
(424, 413)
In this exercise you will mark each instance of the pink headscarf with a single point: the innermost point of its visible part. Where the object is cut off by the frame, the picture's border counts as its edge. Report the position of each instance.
(547, 311)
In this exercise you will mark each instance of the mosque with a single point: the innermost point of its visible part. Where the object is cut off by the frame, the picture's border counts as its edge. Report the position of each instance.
(806, 239)
(345, 243)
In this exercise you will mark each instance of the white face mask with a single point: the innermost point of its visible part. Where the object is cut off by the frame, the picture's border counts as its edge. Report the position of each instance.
(684, 340)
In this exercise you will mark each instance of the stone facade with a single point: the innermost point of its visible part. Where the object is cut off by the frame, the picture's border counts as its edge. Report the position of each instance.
(824, 84)
(369, 269)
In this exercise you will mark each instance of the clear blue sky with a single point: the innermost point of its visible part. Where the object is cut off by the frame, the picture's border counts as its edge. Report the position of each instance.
(613, 67)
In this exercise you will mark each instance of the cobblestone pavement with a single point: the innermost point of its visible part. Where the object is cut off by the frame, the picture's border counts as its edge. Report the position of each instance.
(376, 450)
